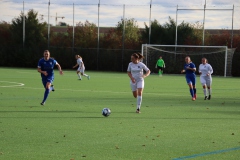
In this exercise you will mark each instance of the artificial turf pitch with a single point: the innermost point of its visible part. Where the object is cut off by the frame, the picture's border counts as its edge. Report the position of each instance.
(70, 126)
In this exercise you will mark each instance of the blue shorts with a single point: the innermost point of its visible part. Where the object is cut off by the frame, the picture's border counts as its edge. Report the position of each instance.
(191, 79)
(46, 79)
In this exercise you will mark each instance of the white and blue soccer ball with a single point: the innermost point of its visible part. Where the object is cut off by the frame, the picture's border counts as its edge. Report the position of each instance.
(106, 112)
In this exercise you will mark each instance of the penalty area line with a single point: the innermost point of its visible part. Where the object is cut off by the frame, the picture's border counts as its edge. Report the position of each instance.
(12, 84)
(207, 153)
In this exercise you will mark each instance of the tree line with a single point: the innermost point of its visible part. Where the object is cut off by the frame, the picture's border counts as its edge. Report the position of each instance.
(114, 49)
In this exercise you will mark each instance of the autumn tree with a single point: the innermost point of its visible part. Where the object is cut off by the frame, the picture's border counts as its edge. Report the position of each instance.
(196, 37)
(60, 40)
(219, 39)
(112, 39)
(85, 35)
(127, 28)
(132, 36)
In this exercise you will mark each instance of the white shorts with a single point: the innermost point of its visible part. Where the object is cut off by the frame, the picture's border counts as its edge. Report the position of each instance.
(81, 70)
(206, 80)
(137, 84)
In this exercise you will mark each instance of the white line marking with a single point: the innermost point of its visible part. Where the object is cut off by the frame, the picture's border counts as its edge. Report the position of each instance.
(12, 84)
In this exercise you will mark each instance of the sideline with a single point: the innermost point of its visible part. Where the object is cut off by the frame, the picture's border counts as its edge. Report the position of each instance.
(208, 153)
(12, 84)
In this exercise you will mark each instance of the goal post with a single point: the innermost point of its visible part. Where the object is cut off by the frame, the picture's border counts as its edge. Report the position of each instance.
(173, 55)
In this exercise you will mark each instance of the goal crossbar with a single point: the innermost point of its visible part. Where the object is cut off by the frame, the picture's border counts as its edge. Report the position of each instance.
(179, 52)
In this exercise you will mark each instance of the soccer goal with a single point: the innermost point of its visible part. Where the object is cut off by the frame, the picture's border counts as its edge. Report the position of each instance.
(220, 57)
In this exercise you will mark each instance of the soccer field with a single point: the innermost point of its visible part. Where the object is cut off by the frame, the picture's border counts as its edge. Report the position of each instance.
(70, 126)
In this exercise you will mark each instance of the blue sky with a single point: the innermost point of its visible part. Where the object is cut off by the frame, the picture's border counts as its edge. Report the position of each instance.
(111, 11)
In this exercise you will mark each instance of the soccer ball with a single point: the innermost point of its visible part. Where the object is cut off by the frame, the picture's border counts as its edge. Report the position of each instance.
(106, 112)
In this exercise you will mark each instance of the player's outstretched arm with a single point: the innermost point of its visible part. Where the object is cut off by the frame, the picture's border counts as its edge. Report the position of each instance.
(59, 68)
(75, 66)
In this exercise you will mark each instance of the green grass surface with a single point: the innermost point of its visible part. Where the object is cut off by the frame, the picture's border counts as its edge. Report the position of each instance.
(70, 126)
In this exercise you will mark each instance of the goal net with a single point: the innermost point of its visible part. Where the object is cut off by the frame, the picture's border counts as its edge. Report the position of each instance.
(220, 57)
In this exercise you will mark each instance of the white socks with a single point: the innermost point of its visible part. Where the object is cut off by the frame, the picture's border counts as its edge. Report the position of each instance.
(210, 91)
(139, 102)
(79, 76)
(205, 91)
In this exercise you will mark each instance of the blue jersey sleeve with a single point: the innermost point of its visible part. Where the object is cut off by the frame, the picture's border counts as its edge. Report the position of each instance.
(47, 65)
(54, 62)
(40, 63)
(190, 65)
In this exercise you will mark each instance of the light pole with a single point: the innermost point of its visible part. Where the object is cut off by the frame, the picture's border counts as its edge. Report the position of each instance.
(23, 26)
(48, 23)
(98, 34)
(150, 23)
(73, 31)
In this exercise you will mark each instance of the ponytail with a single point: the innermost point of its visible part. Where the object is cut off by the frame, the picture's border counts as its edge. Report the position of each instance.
(138, 56)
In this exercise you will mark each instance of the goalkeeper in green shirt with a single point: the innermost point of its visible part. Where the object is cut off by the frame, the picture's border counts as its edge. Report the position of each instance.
(160, 65)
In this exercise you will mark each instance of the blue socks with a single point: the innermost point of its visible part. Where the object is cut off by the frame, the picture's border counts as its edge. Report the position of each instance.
(195, 90)
(46, 93)
(192, 92)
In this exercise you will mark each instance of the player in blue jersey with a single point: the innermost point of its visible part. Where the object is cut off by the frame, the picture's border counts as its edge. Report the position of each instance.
(190, 69)
(45, 67)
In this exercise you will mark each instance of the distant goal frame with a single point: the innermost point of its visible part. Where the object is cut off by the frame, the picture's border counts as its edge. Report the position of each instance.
(188, 46)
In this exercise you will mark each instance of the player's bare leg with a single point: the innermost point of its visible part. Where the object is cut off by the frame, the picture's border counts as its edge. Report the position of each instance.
(135, 94)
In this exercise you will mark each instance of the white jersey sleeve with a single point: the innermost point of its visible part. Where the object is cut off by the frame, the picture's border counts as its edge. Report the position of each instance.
(79, 61)
(205, 69)
(137, 69)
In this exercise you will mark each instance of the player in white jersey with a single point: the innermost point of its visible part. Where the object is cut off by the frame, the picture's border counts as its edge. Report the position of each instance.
(205, 71)
(136, 74)
(81, 68)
